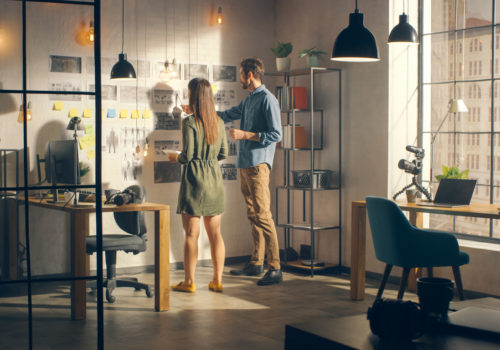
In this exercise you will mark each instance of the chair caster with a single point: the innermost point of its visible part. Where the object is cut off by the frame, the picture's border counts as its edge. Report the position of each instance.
(149, 293)
(111, 299)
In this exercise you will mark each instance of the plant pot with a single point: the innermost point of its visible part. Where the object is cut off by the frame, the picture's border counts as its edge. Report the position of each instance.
(434, 295)
(283, 64)
(312, 61)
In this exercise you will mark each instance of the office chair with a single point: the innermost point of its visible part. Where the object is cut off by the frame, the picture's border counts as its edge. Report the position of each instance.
(397, 242)
(134, 241)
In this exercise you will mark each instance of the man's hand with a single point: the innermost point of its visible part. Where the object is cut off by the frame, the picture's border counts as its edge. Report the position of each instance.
(237, 134)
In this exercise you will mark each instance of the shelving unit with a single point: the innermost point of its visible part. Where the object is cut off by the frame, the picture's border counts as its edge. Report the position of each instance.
(310, 224)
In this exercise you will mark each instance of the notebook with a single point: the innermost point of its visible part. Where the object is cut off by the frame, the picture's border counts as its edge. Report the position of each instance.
(452, 193)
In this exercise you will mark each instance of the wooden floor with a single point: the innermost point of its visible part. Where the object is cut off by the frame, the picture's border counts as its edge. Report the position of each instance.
(245, 316)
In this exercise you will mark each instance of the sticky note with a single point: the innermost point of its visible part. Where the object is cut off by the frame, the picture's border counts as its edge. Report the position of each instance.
(135, 114)
(111, 113)
(89, 129)
(73, 112)
(90, 154)
(58, 106)
(146, 114)
(124, 113)
(86, 141)
(87, 113)
(214, 88)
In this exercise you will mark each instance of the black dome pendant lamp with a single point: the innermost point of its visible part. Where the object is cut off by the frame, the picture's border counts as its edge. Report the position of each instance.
(355, 43)
(123, 69)
(403, 33)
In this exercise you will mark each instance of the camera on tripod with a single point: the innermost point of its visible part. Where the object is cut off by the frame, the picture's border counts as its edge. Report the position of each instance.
(415, 166)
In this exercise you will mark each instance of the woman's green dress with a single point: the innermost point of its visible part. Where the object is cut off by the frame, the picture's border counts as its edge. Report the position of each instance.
(202, 191)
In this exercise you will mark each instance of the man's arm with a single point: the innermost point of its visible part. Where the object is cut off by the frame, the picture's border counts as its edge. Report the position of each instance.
(231, 114)
(273, 119)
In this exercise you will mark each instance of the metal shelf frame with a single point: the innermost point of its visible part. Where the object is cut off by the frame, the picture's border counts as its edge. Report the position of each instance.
(288, 187)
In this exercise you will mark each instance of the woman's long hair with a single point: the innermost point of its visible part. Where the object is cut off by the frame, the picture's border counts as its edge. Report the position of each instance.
(201, 101)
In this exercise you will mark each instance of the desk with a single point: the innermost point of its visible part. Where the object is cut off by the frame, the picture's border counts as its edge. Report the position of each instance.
(79, 222)
(358, 232)
(353, 332)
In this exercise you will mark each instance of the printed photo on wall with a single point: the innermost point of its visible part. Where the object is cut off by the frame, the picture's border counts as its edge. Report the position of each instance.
(134, 94)
(166, 172)
(106, 64)
(65, 64)
(108, 92)
(163, 100)
(233, 147)
(167, 121)
(224, 99)
(224, 73)
(195, 71)
(161, 145)
(61, 84)
(229, 172)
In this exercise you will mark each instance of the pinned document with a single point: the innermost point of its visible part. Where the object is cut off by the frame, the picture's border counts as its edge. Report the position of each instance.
(73, 112)
(111, 113)
(90, 154)
(89, 129)
(146, 114)
(124, 113)
(87, 113)
(86, 141)
(135, 114)
(58, 106)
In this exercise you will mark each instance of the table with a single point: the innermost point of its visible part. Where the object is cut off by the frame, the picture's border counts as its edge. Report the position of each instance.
(358, 234)
(353, 332)
(79, 222)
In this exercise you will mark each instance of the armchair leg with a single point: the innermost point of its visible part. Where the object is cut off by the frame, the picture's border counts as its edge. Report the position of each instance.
(430, 272)
(404, 282)
(458, 281)
(387, 272)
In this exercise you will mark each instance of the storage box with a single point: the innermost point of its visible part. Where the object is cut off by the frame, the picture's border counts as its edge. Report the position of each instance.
(300, 137)
(320, 179)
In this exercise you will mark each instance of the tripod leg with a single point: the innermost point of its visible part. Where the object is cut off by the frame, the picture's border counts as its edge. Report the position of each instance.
(404, 189)
(421, 189)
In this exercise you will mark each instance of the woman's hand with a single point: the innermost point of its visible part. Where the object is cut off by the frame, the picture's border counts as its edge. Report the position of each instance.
(187, 109)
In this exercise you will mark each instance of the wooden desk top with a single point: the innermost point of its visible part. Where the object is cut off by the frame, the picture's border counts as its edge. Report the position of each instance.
(87, 207)
(475, 209)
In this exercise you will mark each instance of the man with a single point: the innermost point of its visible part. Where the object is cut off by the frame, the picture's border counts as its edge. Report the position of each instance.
(260, 130)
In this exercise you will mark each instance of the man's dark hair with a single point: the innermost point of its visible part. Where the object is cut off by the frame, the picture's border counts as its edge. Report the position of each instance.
(254, 65)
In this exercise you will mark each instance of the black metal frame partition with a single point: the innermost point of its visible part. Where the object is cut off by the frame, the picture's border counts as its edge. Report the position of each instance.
(96, 4)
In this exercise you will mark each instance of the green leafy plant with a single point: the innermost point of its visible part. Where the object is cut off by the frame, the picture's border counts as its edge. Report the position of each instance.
(311, 52)
(83, 169)
(452, 173)
(282, 50)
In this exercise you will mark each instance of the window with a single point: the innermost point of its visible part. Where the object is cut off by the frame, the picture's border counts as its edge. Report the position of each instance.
(468, 39)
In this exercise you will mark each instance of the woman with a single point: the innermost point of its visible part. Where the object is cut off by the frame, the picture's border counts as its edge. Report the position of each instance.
(202, 191)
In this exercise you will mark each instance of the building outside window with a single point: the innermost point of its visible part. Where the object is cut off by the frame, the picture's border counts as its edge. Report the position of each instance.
(475, 26)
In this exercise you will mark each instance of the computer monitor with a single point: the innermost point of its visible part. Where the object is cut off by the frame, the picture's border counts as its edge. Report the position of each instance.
(61, 164)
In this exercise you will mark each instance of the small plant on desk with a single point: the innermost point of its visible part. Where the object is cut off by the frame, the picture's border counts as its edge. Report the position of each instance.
(452, 173)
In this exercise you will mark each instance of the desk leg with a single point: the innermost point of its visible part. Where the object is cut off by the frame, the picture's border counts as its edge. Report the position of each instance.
(79, 265)
(416, 219)
(358, 251)
(162, 260)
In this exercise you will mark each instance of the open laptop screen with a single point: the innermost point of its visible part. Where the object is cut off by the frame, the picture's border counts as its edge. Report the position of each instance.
(455, 191)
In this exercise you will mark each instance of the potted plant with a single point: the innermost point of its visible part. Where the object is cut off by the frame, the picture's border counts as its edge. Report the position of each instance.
(452, 173)
(312, 56)
(281, 51)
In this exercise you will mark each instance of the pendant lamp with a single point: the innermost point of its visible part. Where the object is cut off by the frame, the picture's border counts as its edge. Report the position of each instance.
(123, 69)
(403, 33)
(355, 43)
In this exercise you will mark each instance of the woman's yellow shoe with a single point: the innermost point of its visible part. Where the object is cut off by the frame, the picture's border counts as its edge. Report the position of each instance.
(184, 287)
(215, 287)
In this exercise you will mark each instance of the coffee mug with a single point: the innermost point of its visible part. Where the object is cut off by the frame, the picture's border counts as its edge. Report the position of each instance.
(411, 195)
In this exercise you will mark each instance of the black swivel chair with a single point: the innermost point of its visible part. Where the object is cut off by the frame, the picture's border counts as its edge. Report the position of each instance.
(135, 241)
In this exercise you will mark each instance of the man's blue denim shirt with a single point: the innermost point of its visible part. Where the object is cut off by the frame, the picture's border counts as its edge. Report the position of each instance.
(259, 113)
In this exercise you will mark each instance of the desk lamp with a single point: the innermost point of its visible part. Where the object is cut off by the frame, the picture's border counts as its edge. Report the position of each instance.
(455, 106)
(75, 124)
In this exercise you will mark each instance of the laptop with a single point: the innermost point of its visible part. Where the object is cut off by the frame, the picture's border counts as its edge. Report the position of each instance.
(452, 193)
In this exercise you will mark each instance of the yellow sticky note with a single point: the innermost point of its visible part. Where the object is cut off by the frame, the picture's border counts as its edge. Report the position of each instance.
(90, 154)
(86, 141)
(214, 88)
(135, 114)
(89, 129)
(87, 113)
(146, 114)
(124, 113)
(58, 106)
(73, 112)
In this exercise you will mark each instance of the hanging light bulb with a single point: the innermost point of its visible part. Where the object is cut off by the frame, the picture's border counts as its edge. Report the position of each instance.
(219, 15)
(146, 148)
(174, 69)
(91, 32)
(166, 73)
(20, 116)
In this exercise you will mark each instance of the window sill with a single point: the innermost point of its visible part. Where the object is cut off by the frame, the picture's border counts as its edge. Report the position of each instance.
(479, 245)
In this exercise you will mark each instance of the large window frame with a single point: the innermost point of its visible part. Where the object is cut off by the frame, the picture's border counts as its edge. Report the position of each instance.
(427, 125)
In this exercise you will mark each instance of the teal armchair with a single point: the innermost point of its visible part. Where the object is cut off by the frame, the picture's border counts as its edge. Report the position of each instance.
(399, 243)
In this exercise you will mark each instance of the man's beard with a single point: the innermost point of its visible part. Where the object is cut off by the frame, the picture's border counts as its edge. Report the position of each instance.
(244, 85)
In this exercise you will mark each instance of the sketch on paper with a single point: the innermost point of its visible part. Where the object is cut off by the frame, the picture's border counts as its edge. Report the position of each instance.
(131, 166)
(65, 64)
(233, 147)
(195, 71)
(108, 92)
(133, 94)
(165, 171)
(160, 145)
(224, 99)
(65, 84)
(111, 141)
(229, 172)
(224, 73)
(106, 64)
(143, 68)
(167, 121)
(163, 100)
